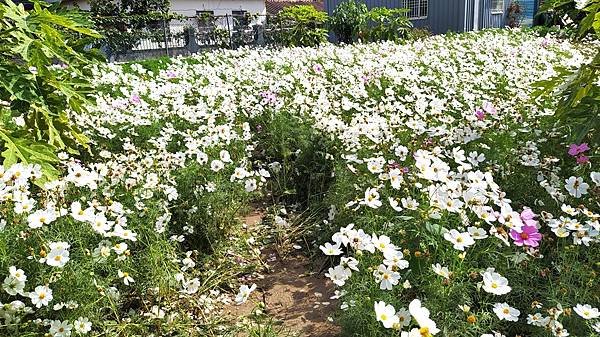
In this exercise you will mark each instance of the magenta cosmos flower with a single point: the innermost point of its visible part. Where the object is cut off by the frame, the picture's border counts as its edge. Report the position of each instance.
(529, 236)
(575, 149)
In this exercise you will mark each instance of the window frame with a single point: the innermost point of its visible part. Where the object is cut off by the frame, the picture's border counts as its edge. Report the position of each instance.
(495, 9)
(421, 7)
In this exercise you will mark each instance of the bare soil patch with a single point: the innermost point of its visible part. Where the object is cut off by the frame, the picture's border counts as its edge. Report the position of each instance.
(293, 292)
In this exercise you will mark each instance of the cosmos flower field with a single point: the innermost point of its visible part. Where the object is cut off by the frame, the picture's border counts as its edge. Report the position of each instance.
(451, 202)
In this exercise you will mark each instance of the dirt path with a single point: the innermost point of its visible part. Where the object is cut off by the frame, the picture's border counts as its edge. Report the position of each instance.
(292, 292)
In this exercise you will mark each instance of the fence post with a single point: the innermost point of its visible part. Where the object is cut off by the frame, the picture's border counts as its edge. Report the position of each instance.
(165, 36)
(229, 31)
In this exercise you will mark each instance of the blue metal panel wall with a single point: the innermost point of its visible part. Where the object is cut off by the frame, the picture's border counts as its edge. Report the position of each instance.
(528, 11)
(489, 19)
(443, 15)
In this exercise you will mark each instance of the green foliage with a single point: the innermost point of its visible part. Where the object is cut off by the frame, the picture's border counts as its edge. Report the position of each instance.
(515, 14)
(578, 100)
(347, 19)
(124, 23)
(578, 91)
(566, 13)
(352, 21)
(385, 24)
(303, 174)
(306, 26)
(43, 62)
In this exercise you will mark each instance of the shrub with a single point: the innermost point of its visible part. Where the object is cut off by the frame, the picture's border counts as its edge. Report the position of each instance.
(43, 75)
(578, 90)
(385, 24)
(515, 14)
(347, 20)
(303, 26)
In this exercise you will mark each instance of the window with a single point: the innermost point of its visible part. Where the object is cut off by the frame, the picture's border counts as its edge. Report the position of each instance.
(205, 18)
(497, 6)
(417, 8)
(240, 18)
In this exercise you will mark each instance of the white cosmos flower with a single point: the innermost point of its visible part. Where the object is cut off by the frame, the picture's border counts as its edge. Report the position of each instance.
(396, 178)
(120, 248)
(18, 274)
(41, 217)
(586, 311)
(191, 286)
(595, 176)
(386, 276)
(459, 240)
(386, 314)
(13, 286)
(244, 293)
(349, 263)
(395, 204)
(58, 257)
(41, 296)
(250, 185)
(60, 329)
(331, 250)
(394, 259)
(82, 325)
(225, 156)
(576, 187)
(477, 233)
(537, 319)
(382, 243)
(125, 234)
(216, 165)
(372, 198)
(506, 312)
(495, 283)
(441, 271)
(375, 165)
(421, 315)
(80, 214)
(338, 275)
(409, 203)
(403, 317)
(127, 279)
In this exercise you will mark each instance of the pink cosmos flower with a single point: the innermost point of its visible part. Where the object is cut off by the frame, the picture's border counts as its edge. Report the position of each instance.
(269, 97)
(575, 149)
(545, 42)
(317, 68)
(135, 99)
(489, 107)
(528, 217)
(480, 114)
(171, 74)
(582, 159)
(529, 236)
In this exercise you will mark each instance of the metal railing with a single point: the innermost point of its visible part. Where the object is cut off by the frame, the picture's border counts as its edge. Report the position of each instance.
(188, 35)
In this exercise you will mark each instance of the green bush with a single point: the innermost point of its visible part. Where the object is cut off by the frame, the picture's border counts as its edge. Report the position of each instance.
(347, 19)
(303, 26)
(385, 24)
(43, 75)
(352, 21)
(577, 90)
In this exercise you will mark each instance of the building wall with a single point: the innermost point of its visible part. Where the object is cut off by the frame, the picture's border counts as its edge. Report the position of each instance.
(489, 19)
(443, 15)
(189, 7)
(529, 9)
(220, 7)
(446, 15)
